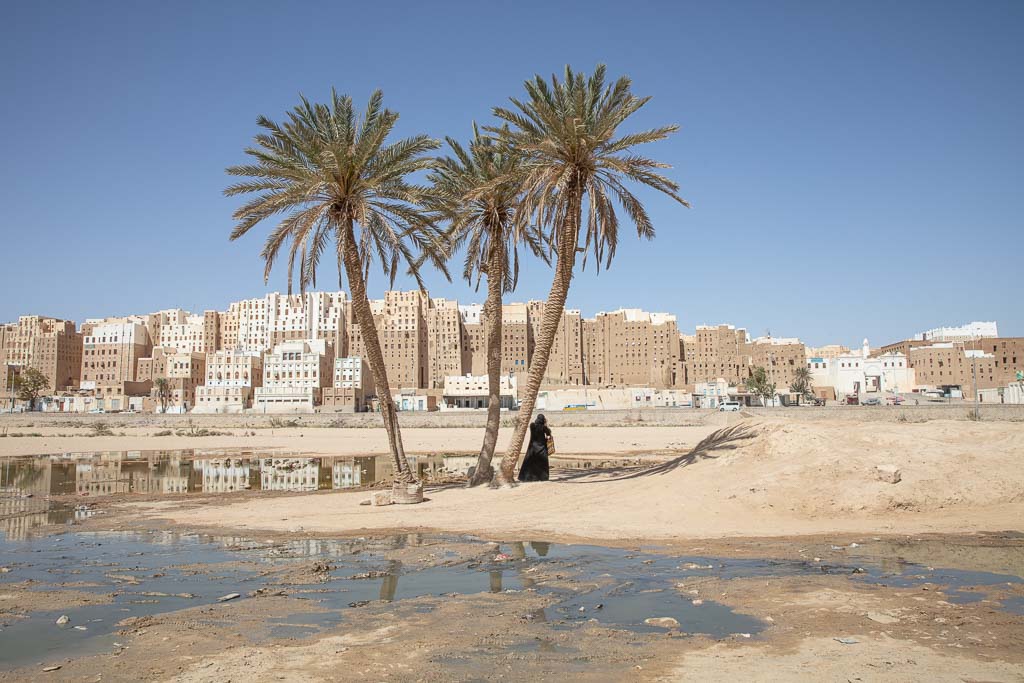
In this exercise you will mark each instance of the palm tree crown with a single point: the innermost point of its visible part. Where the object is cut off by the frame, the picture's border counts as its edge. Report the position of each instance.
(477, 191)
(326, 168)
(566, 132)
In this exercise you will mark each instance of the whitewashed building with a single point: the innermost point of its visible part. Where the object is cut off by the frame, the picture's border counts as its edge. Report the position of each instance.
(860, 373)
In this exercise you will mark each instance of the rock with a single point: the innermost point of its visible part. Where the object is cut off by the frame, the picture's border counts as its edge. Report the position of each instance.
(80, 628)
(63, 619)
(882, 618)
(662, 622)
(229, 596)
(890, 474)
(697, 603)
(51, 668)
(378, 498)
(846, 641)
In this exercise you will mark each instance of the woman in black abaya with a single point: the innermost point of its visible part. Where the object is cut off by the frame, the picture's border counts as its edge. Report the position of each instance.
(535, 466)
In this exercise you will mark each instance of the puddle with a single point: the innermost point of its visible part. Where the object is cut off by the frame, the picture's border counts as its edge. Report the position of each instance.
(147, 573)
(26, 482)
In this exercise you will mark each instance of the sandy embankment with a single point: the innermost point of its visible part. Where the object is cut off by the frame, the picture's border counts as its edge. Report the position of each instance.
(347, 441)
(759, 478)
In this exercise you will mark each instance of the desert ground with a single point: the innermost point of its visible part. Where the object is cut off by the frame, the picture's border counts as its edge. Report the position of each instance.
(833, 566)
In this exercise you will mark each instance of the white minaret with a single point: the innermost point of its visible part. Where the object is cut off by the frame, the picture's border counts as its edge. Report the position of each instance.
(865, 349)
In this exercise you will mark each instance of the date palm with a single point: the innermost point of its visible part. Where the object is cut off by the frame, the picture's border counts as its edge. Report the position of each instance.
(332, 179)
(573, 158)
(476, 190)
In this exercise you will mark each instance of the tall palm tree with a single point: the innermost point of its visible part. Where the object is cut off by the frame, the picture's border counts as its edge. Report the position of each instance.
(477, 192)
(566, 133)
(333, 177)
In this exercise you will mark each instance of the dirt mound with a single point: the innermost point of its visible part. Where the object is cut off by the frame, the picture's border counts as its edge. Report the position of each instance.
(834, 468)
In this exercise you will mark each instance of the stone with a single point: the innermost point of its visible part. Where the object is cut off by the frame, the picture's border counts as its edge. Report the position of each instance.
(379, 498)
(229, 596)
(63, 619)
(662, 622)
(890, 474)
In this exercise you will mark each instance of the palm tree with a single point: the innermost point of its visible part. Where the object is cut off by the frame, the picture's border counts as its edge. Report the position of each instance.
(566, 133)
(163, 391)
(334, 177)
(476, 191)
(801, 382)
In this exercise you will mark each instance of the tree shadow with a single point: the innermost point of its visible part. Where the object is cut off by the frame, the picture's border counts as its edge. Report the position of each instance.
(725, 439)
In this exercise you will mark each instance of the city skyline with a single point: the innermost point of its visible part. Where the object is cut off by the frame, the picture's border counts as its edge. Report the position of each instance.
(837, 159)
(685, 323)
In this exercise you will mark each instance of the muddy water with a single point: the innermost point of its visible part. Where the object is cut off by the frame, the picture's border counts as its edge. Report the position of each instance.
(145, 573)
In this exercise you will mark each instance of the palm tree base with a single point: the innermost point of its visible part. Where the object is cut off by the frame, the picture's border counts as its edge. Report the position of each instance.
(479, 477)
(403, 493)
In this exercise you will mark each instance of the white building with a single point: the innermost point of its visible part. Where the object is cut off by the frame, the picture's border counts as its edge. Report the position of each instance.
(472, 314)
(473, 391)
(860, 373)
(961, 333)
(711, 394)
(231, 377)
(294, 375)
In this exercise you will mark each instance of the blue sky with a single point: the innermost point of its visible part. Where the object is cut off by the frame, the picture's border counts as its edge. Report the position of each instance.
(855, 168)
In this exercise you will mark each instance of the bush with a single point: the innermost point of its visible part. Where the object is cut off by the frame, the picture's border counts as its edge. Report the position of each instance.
(164, 432)
(279, 423)
(101, 429)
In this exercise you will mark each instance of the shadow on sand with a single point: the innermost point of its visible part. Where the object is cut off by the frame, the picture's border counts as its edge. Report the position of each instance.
(710, 446)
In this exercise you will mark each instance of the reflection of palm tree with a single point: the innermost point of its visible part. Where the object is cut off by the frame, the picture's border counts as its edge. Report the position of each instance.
(389, 586)
(518, 550)
(496, 581)
(540, 547)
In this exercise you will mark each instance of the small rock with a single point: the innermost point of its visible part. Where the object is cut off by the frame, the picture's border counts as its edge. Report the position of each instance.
(229, 596)
(661, 622)
(80, 628)
(846, 641)
(857, 570)
(378, 498)
(890, 474)
(582, 608)
(697, 603)
(882, 618)
(62, 619)
(51, 668)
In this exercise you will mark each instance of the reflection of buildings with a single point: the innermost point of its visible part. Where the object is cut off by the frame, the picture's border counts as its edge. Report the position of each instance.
(289, 474)
(223, 475)
(353, 472)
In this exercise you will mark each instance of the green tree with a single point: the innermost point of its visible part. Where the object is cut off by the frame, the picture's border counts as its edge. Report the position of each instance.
(476, 191)
(759, 384)
(802, 382)
(335, 179)
(29, 385)
(575, 168)
(163, 392)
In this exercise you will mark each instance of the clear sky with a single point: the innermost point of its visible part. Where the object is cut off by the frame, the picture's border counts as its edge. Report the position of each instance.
(856, 168)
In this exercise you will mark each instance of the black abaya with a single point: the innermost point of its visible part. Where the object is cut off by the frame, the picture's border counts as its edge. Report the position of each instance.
(535, 465)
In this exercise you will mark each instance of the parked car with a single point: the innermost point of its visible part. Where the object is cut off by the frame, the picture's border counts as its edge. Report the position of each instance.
(871, 402)
(728, 406)
(97, 410)
(894, 400)
(852, 400)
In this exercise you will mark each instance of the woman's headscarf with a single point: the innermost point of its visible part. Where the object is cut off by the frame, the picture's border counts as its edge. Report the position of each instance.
(541, 419)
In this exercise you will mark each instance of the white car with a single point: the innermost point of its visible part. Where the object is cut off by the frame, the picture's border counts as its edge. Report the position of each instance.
(728, 406)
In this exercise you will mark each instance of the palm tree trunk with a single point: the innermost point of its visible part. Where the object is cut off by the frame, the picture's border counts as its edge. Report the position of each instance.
(565, 263)
(374, 356)
(492, 314)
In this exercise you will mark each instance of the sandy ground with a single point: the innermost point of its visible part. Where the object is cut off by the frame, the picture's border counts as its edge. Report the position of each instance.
(329, 441)
(756, 478)
(800, 485)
